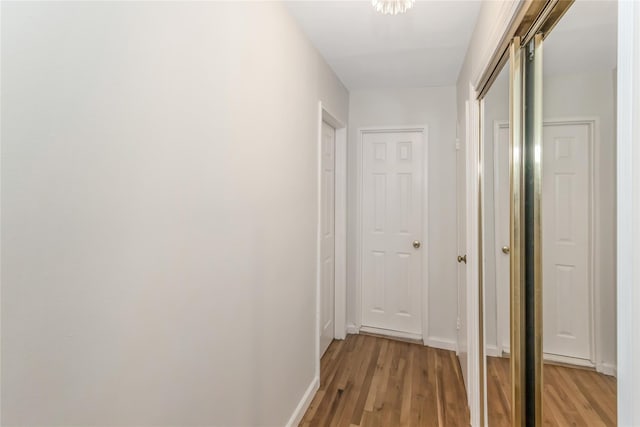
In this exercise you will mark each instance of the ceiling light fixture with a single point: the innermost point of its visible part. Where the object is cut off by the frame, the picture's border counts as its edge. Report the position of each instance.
(392, 7)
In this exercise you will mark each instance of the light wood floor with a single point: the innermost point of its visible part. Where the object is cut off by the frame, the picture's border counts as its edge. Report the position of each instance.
(572, 396)
(374, 381)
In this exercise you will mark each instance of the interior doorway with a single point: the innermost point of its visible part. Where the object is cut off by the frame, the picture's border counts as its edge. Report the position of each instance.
(393, 228)
(331, 287)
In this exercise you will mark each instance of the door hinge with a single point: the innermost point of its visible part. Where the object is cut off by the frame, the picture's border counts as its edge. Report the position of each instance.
(458, 146)
(458, 324)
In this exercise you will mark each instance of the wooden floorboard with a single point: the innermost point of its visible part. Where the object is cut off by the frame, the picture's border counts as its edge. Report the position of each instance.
(572, 396)
(372, 381)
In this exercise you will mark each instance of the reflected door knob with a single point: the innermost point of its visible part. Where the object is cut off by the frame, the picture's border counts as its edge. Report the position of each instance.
(505, 249)
(462, 259)
(417, 244)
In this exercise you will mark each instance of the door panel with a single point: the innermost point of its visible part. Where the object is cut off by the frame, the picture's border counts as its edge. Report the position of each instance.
(565, 224)
(461, 219)
(327, 245)
(391, 221)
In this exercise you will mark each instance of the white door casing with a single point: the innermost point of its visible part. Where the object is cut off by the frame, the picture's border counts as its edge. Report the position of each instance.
(461, 239)
(327, 237)
(568, 260)
(392, 208)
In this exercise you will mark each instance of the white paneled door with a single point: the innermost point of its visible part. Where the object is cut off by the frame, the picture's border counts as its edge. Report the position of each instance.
(566, 240)
(327, 239)
(566, 206)
(392, 230)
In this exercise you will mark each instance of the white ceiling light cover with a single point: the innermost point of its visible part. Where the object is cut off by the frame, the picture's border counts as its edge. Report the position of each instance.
(392, 7)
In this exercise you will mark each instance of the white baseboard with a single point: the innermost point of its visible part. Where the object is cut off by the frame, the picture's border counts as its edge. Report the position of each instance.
(441, 343)
(568, 360)
(607, 369)
(352, 329)
(492, 351)
(391, 333)
(304, 403)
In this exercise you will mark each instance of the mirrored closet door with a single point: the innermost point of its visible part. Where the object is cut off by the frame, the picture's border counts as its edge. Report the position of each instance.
(548, 224)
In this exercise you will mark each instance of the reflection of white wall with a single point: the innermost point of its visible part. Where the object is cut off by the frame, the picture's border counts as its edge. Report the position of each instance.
(434, 107)
(159, 204)
(566, 96)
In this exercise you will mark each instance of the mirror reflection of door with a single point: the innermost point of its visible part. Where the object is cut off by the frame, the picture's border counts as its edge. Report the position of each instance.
(578, 222)
(578, 225)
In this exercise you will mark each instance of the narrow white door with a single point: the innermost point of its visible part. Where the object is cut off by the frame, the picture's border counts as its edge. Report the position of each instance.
(566, 207)
(566, 210)
(391, 223)
(502, 212)
(327, 240)
(461, 219)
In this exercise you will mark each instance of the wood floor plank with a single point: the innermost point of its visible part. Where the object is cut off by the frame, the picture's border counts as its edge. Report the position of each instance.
(369, 381)
(572, 396)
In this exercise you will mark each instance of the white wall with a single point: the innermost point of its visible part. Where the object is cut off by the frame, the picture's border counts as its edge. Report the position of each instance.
(159, 204)
(585, 95)
(434, 107)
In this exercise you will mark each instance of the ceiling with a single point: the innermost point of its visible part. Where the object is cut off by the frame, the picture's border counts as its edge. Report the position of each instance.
(423, 47)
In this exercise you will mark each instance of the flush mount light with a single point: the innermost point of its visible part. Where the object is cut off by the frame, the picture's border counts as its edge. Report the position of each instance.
(392, 7)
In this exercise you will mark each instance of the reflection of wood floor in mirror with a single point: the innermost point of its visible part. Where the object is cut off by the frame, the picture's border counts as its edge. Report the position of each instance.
(572, 396)
(372, 381)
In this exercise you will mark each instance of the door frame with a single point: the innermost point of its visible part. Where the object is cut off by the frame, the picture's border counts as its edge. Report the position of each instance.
(424, 129)
(594, 249)
(340, 232)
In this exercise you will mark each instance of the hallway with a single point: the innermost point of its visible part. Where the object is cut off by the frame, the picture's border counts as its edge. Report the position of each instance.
(373, 381)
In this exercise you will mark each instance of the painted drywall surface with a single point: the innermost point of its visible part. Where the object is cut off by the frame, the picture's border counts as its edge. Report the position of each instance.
(434, 107)
(159, 193)
(588, 95)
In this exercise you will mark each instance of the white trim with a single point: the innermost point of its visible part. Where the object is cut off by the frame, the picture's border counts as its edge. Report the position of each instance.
(441, 343)
(424, 129)
(628, 186)
(503, 20)
(607, 369)
(492, 351)
(472, 283)
(390, 333)
(568, 360)
(340, 233)
(304, 403)
(352, 329)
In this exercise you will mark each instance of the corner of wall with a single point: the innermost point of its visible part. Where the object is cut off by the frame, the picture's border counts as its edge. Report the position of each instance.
(304, 403)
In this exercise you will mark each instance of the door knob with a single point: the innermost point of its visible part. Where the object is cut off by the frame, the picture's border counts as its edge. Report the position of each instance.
(505, 249)
(462, 259)
(417, 244)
